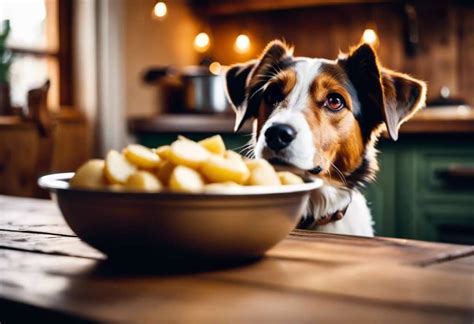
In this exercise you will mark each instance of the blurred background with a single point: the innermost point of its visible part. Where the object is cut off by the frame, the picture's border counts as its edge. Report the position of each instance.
(80, 77)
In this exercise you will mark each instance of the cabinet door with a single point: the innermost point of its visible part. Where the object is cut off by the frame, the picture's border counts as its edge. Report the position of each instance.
(380, 194)
(446, 224)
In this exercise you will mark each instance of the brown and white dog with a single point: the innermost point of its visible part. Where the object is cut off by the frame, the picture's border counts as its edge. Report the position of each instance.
(324, 117)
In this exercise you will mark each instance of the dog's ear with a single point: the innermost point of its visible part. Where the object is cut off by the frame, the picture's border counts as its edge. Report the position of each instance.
(385, 96)
(403, 96)
(245, 82)
(236, 83)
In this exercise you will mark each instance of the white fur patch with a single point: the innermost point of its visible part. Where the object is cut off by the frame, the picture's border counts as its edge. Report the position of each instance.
(357, 220)
(301, 151)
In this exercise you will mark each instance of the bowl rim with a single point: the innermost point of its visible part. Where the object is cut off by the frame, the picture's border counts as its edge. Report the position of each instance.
(59, 182)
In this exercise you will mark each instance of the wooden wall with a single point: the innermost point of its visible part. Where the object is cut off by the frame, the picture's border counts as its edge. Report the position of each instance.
(445, 56)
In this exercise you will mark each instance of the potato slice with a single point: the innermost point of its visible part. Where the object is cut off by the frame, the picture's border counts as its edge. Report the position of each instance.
(184, 138)
(223, 187)
(164, 173)
(219, 169)
(117, 168)
(231, 155)
(214, 144)
(263, 176)
(184, 179)
(188, 153)
(289, 178)
(141, 156)
(143, 181)
(163, 151)
(90, 175)
(255, 163)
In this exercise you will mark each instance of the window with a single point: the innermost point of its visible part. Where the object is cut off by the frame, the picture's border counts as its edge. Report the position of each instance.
(40, 41)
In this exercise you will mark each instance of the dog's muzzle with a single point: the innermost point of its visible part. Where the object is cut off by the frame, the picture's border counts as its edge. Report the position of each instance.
(279, 136)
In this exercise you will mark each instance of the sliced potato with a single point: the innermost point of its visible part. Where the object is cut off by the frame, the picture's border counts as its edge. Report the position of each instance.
(188, 153)
(90, 175)
(184, 138)
(143, 181)
(164, 172)
(117, 168)
(220, 169)
(231, 155)
(214, 144)
(141, 156)
(163, 151)
(223, 187)
(289, 178)
(256, 163)
(184, 179)
(263, 176)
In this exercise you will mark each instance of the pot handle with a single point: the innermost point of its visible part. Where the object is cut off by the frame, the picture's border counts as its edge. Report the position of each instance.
(156, 74)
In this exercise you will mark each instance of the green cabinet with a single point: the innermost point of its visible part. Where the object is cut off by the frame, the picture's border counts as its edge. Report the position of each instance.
(411, 199)
(408, 198)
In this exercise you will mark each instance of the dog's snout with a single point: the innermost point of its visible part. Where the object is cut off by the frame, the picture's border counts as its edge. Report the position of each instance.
(279, 136)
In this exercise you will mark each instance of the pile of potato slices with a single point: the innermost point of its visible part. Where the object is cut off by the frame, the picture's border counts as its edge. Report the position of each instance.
(182, 166)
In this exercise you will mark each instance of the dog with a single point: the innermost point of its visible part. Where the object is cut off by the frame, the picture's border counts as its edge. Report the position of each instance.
(324, 117)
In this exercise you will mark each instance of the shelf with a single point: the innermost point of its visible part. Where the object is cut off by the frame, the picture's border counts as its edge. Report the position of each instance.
(186, 124)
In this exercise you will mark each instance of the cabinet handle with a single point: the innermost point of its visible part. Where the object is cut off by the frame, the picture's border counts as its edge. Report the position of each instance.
(455, 175)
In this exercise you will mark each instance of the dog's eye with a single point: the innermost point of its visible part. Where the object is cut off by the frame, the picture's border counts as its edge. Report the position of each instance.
(273, 94)
(334, 102)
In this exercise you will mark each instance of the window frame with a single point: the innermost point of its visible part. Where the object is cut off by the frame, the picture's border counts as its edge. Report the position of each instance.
(63, 54)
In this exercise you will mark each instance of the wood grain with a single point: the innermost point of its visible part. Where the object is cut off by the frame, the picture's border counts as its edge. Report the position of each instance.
(48, 273)
(443, 57)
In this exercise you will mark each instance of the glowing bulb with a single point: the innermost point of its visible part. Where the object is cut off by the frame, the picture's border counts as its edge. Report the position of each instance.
(160, 9)
(215, 68)
(242, 44)
(369, 36)
(201, 42)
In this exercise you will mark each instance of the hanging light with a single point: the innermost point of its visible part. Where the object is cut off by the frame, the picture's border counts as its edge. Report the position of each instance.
(242, 44)
(370, 37)
(201, 42)
(160, 9)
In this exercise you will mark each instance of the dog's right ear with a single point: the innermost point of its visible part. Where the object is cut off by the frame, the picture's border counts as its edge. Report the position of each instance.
(245, 82)
(236, 82)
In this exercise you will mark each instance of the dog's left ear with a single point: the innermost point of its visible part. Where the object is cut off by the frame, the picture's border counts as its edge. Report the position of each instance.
(385, 96)
(403, 95)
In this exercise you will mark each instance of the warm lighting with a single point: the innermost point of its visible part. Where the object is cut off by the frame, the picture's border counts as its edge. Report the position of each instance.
(370, 37)
(242, 44)
(160, 10)
(215, 68)
(201, 42)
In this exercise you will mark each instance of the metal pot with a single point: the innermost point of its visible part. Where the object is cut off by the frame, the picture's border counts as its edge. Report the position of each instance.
(192, 89)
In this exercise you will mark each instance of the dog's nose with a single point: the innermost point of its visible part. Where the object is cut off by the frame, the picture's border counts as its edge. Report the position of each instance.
(279, 136)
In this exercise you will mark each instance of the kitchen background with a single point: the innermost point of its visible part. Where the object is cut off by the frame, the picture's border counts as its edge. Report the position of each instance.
(109, 64)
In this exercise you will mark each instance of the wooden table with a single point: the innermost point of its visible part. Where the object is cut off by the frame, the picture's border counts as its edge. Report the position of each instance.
(47, 273)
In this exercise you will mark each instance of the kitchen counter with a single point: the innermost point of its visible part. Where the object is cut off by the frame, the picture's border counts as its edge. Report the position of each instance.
(431, 120)
(48, 274)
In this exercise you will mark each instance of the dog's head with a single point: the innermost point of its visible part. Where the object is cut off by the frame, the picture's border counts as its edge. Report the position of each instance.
(318, 114)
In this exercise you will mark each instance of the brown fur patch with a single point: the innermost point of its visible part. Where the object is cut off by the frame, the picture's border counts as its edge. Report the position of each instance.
(336, 134)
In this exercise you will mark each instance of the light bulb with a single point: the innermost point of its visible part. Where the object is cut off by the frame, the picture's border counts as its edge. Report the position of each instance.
(370, 37)
(201, 42)
(242, 44)
(160, 10)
